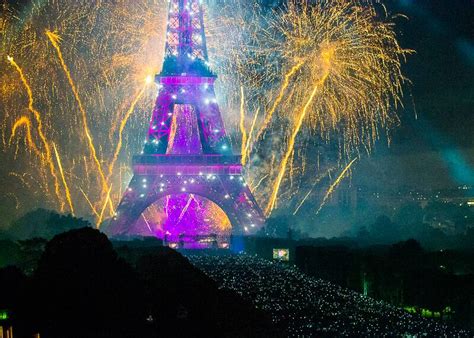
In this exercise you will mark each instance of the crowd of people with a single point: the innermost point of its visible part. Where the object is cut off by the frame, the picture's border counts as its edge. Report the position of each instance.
(306, 306)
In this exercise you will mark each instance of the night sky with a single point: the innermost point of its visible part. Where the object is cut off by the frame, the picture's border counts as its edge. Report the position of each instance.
(434, 146)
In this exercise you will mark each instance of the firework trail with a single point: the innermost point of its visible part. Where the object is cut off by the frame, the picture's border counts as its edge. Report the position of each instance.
(310, 191)
(335, 184)
(66, 188)
(17, 201)
(123, 123)
(55, 39)
(291, 145)
(107, 200)
(246, 151)
(186, 207)
(147, 223)
(286, 83)
(25, 121)
(167, 206)
(260, 182)
(37, 115)
(242, 125)
(89, 203)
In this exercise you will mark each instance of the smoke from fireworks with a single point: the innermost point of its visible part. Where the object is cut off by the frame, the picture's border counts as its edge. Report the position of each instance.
(340, 75)
(306, 75)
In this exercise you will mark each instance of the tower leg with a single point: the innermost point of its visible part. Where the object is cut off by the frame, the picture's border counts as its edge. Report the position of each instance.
(229, 192)
(160, 125)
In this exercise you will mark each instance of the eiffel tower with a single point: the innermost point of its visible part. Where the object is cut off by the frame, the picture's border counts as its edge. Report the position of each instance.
(187, 150)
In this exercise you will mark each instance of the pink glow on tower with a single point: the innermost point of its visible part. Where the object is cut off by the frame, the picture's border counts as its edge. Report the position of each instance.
(187, 185)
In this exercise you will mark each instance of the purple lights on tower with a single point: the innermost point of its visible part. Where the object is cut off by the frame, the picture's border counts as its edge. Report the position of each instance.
(185, 32)
(187, 162)
(187, 93)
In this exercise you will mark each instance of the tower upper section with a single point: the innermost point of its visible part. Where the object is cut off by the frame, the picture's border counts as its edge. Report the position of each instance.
(185, 50)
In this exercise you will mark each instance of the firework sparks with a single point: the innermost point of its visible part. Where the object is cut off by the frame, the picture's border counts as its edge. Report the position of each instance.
(25, 121)
(352, 64)
(21, 178)
(96, 214)
(111, 47)
(66, 187)
(55, 40)
(334, 185)
(313, 73)
(291, 145)
(286, 83)
(242, 125)
(123, 123)
(41, 134)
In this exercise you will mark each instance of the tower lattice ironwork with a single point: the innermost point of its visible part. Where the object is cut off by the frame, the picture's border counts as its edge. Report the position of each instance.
(187, 149)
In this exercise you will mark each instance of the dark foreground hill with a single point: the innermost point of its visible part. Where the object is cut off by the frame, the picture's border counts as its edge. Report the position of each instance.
(304, 306)
(82, 288)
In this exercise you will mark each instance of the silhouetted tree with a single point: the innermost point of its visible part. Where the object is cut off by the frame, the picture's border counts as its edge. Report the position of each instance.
(384, 230)
(177, 294)
(81, 288)
(409, 213)
(9, 253)
(12, 287)
(362, 233)
(184, 302)
(45, 224)
(408, 249)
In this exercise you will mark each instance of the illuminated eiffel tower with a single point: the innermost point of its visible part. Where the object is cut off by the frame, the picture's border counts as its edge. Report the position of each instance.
(187, 149)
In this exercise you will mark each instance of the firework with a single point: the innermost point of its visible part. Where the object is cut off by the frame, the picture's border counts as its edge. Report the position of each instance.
(37, 115)
(89, 203)
(318, 180)
(25, 121)
(340, 75)
(279, 98)
(334, 185)
(66, 187)
(242, 126)
(55, 40)
(123, 123)
(247, 148)
(306, 73)
(291, 144)
(107, 200)
(108, 57)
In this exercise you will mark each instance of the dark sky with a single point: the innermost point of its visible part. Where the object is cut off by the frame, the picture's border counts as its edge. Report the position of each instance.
(434, 146)
(442, 70)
